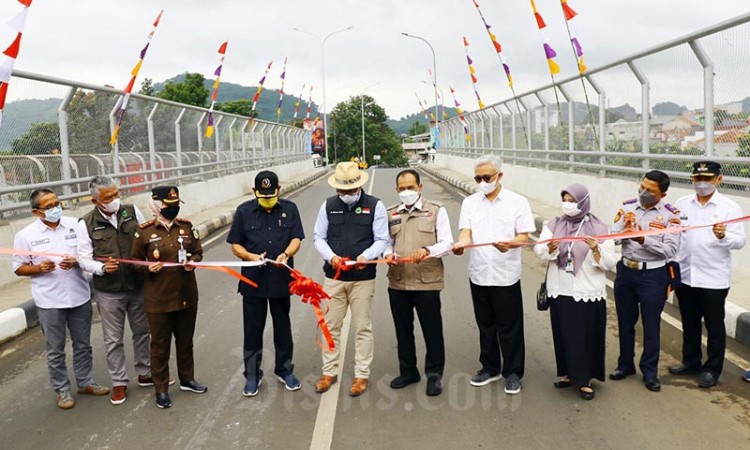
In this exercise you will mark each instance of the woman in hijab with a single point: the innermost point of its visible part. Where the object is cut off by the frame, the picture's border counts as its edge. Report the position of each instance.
(576, 289)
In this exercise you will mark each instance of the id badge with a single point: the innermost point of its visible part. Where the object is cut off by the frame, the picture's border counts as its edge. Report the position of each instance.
(182, 256)
(569, 266)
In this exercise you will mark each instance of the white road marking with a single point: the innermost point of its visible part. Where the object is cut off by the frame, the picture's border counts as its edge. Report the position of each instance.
(322, 437)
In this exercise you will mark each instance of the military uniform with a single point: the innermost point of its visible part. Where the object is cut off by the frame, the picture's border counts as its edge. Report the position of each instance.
(170, 296)
(642, 281)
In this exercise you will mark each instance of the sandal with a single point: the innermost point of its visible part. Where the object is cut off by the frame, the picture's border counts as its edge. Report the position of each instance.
(587, 392)
(563, 382)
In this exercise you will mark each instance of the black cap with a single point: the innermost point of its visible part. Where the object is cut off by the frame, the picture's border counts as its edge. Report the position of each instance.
(168, 195)
(266, 182)
(706, 169)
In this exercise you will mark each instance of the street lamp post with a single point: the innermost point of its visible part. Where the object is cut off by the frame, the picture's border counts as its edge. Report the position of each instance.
(323, 67)
(434, 72)
(442, 97)
(362, 101)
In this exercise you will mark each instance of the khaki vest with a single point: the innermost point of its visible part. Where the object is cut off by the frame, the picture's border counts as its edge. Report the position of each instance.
(411, 231)
(117, 243)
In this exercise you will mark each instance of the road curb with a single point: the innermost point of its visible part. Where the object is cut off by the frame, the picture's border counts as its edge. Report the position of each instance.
(736, 319)
(15, 321)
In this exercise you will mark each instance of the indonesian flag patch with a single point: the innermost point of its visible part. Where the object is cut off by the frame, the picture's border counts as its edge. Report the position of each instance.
(365, 210)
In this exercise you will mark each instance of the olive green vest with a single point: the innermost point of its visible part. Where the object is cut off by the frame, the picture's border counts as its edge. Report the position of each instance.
(117, 243)
(411, 231)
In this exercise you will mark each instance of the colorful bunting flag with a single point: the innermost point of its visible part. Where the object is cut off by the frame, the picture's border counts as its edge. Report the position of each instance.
(281, 92)
(473, 73)
(549, 52)
(496, 45)
(17, 23)
(260, 89)
(129, 88)
(461, 118)
(421, 105)
(297, 103)
(575, 43)
(217, 74)
(309, 103)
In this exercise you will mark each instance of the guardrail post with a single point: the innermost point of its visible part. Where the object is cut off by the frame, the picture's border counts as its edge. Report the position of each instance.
(217, 142)
(199, 129)
(62, 117)
(152, 141)
(546, 129)
(178, 140)
(243, 136)
(502, 127)
(116, 146)
(571, 126)
(231, 138)
(263, 140)
(254, 134)
(708, 95)
(645, 113)
(602, 123)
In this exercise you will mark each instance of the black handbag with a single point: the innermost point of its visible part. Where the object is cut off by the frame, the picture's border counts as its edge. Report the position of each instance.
(542, 301)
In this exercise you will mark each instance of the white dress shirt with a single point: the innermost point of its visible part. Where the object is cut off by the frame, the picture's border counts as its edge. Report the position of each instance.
(705, 260)
(589, 283)
(60, 288)
(86, 246)
(443, 231)
(379, 230)
(500, 220)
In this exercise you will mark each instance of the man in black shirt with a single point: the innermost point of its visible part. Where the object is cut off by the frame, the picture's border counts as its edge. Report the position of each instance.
(267, 227)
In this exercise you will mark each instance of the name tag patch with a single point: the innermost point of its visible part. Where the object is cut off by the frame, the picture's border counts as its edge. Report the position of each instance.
(336, 212)
(394, 221)
(40, 242)
(99, 228)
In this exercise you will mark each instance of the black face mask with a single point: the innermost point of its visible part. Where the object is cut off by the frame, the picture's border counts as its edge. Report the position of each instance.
(170, 212)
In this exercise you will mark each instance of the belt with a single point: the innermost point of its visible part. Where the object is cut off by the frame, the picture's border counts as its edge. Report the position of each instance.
(638, 265)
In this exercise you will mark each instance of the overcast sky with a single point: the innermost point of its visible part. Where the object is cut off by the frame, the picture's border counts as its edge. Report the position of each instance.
(99, 42)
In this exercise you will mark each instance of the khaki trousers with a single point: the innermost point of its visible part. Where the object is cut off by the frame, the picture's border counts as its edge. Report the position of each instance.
(358, 296)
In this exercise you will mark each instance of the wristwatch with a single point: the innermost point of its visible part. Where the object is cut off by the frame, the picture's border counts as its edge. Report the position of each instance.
(286, 254)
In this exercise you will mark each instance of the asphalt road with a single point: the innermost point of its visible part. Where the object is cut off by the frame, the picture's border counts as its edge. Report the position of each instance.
(623, 415)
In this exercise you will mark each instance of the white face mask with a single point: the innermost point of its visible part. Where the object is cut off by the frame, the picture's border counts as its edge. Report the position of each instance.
(704, 188)
(111, 207)
(570, 209)
(408, 197)
(487, 188)
(350, 199)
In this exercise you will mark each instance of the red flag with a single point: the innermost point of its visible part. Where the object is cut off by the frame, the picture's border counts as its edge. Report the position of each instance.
(466, 43)
(129, 88)
(3, 92)
(223, 48)
(12, 50)
(25, 3)
(474, 79)
(158, 18)
(497, 46)
(539, 20)
(569, 13)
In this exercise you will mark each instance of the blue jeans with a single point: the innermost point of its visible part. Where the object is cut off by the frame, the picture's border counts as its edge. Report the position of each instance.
(53, 323)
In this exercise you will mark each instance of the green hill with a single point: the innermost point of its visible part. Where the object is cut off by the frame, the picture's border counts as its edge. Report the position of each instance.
(20, 114)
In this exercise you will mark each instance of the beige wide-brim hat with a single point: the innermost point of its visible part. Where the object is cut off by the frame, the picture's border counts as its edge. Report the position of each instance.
(348, 176)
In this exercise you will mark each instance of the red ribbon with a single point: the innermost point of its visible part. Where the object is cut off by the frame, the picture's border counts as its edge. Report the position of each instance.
(343, 267)
(312, 293)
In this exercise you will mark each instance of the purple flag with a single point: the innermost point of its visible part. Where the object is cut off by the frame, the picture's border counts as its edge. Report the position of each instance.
(549, 51)
(145, 49)
(469, 60)
(507, 69)
(579, 50)
(217, 72)
(210, 119)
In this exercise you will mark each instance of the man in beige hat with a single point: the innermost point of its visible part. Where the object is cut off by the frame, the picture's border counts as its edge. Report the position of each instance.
(350, 225)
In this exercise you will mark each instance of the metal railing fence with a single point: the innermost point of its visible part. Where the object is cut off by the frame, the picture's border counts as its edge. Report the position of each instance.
(56, 134)
(707, 69)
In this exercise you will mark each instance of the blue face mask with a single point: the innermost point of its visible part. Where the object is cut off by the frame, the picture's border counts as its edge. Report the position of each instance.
(53, 215)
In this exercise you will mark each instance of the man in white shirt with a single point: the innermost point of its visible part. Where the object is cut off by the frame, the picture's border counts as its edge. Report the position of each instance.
(706, 267)
(60, 292)
(107, 231)
(419, 228)
(495, 214)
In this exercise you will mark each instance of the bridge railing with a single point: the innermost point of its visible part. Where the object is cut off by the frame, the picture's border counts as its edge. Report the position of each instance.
(570, 125)
(56, 133)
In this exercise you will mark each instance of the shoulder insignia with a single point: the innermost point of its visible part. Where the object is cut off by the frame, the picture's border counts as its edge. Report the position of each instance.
(146, 224)
(195, 233)
(630, 202)
(671, 209)
(619, 214)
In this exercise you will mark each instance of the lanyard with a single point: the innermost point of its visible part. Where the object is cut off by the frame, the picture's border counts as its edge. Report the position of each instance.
(570, 247)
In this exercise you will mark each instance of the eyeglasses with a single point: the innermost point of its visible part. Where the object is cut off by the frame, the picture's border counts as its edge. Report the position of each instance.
(485, 178)
(54, 205)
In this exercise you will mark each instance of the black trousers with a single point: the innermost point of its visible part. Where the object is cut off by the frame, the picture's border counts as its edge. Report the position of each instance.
(163, 326)
(706, 304)
(644, 291)
(499, 314)
(427, 304)
(254, 311)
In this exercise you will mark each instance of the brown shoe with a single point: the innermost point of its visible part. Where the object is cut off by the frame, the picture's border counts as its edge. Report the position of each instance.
(65, 400)
(324, 383)
(359, 385)
(94, 389)
(119, 395)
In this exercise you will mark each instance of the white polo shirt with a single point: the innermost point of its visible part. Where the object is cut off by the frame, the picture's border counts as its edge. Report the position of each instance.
(59, 288)
(500, 220)
(705, 260)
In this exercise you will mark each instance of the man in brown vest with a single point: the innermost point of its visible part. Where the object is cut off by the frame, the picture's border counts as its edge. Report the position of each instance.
(420, 229)
(107, 231)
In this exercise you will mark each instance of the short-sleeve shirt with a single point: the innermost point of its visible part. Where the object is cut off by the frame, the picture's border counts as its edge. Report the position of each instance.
(271, 232)
(657, 248)
(500, 220)
(59, 288)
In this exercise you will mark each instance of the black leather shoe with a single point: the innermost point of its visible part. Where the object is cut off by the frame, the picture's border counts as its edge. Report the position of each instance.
(587, 393)
(620, 374)
(434, 387)
(163, 401)
(402, 381)
(707, 380)
(683, 369)
(652, 384)
(193, 386)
